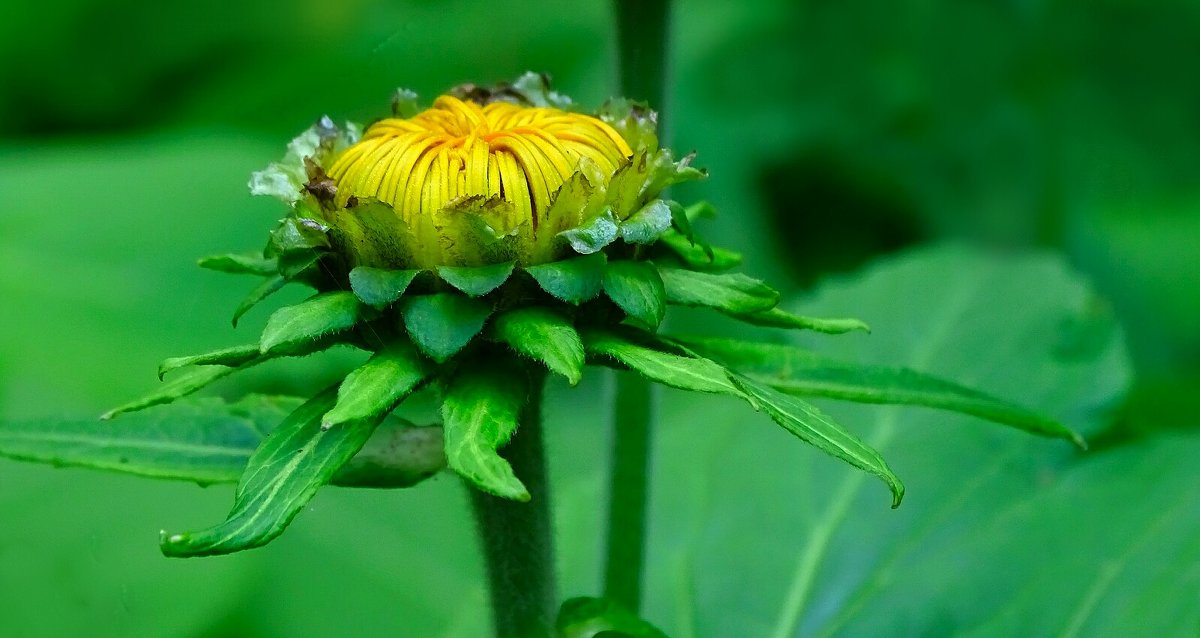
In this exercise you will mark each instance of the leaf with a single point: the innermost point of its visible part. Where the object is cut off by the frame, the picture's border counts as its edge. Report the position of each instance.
(1001, 534)
(444, 323)
(574, 280)
(636, 288)
(543, 335)
(593, 235)
(380, 288)
(732, 293)
(776, 318)
(267, 288)
(181, 386)
(685, 373)
(594, 617)
(647, 224)
(233, 357)
(378, 386)
(804, 373)
(816, 428)
(240, 264)
(283, 474)
(476, 281)
(699, 256)
(316, 317)
(480, 413)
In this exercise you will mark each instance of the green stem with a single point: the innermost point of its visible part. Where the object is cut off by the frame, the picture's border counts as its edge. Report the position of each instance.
(518, 541)
(642, 27)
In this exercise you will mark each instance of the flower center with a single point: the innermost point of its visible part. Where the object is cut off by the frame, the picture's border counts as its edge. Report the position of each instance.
(459, 149)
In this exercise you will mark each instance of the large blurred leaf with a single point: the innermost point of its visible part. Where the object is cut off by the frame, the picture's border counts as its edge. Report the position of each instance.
(1001, 534)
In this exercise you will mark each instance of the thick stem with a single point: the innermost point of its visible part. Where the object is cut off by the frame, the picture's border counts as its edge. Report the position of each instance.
(642, 43)
(518, 539)
(634, 408)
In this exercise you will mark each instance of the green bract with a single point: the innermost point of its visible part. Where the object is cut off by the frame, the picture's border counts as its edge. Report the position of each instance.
(473, 297)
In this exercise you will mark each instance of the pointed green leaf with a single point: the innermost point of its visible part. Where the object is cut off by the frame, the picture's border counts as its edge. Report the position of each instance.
(479, 413)
(544, 335)
(636, 288)
(573, 280)
(685, 373)
(210, 441)
(282, 476)
(697, 255)
(734, 293)
(816, 428)
(776, 318)
(803, 373)
(476, 281)
(240, 264)
(647, 224)
(594, 617)
(444, 323)
(593, 235)
(379, 385)
(233, 357)
(378, 287)
(316, 317)
(180, 386)
(263, 290)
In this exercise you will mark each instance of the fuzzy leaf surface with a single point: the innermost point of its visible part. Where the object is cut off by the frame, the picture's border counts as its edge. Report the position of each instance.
(732, 293)
(444, 323)
(310, 320)
(636, 288)
(233, 357)
(593, 235)
(697, 255)
(777, 318)
(283, 474)
(647, 224)
(476, 281)
(263, 290)
(379, 385)
(684, 373)
(178, 387)
(480, 413)
(378, 287)
(574, 280)
(240, 264)
(543, 335)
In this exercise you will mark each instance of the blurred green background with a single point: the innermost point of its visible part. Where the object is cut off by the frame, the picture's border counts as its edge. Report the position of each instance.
(834, 132)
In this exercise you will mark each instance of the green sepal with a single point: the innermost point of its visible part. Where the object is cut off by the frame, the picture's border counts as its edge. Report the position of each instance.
(263, 290)
(480, 413)
(732, 293)
(371, 233)
(647, 224)
(240, 264)
(379, 385)
(803, 373)
(543, 335)
(181, 386)
(378, 287)
(634, 121)
(677, 371)
(476, 281)
(310, 320)
(593, 235)
(574, 280)
(297, 236)
(811, 425)
(233, 357)
(208, 440)
(776, 318)
(283, 474)
(405, 103)
(637, 289)
(595, 617)
(443, 324)
(697, 255)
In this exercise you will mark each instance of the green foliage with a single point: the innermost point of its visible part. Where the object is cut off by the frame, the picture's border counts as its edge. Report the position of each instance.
(697, 255)
(574, 280)
(647, 224)
(637, 288)
(732, 293)
(233, 357)
(310, 320)
(543, 335)
(476, 281)
(282, 475)
(378, 386)
(378, 287)
(480, 413)
(591, 617)
(594, 234)
(443, 323)
(266, 288)
(685, 373)
(777, 318)
(180, 386)
(240, 264)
